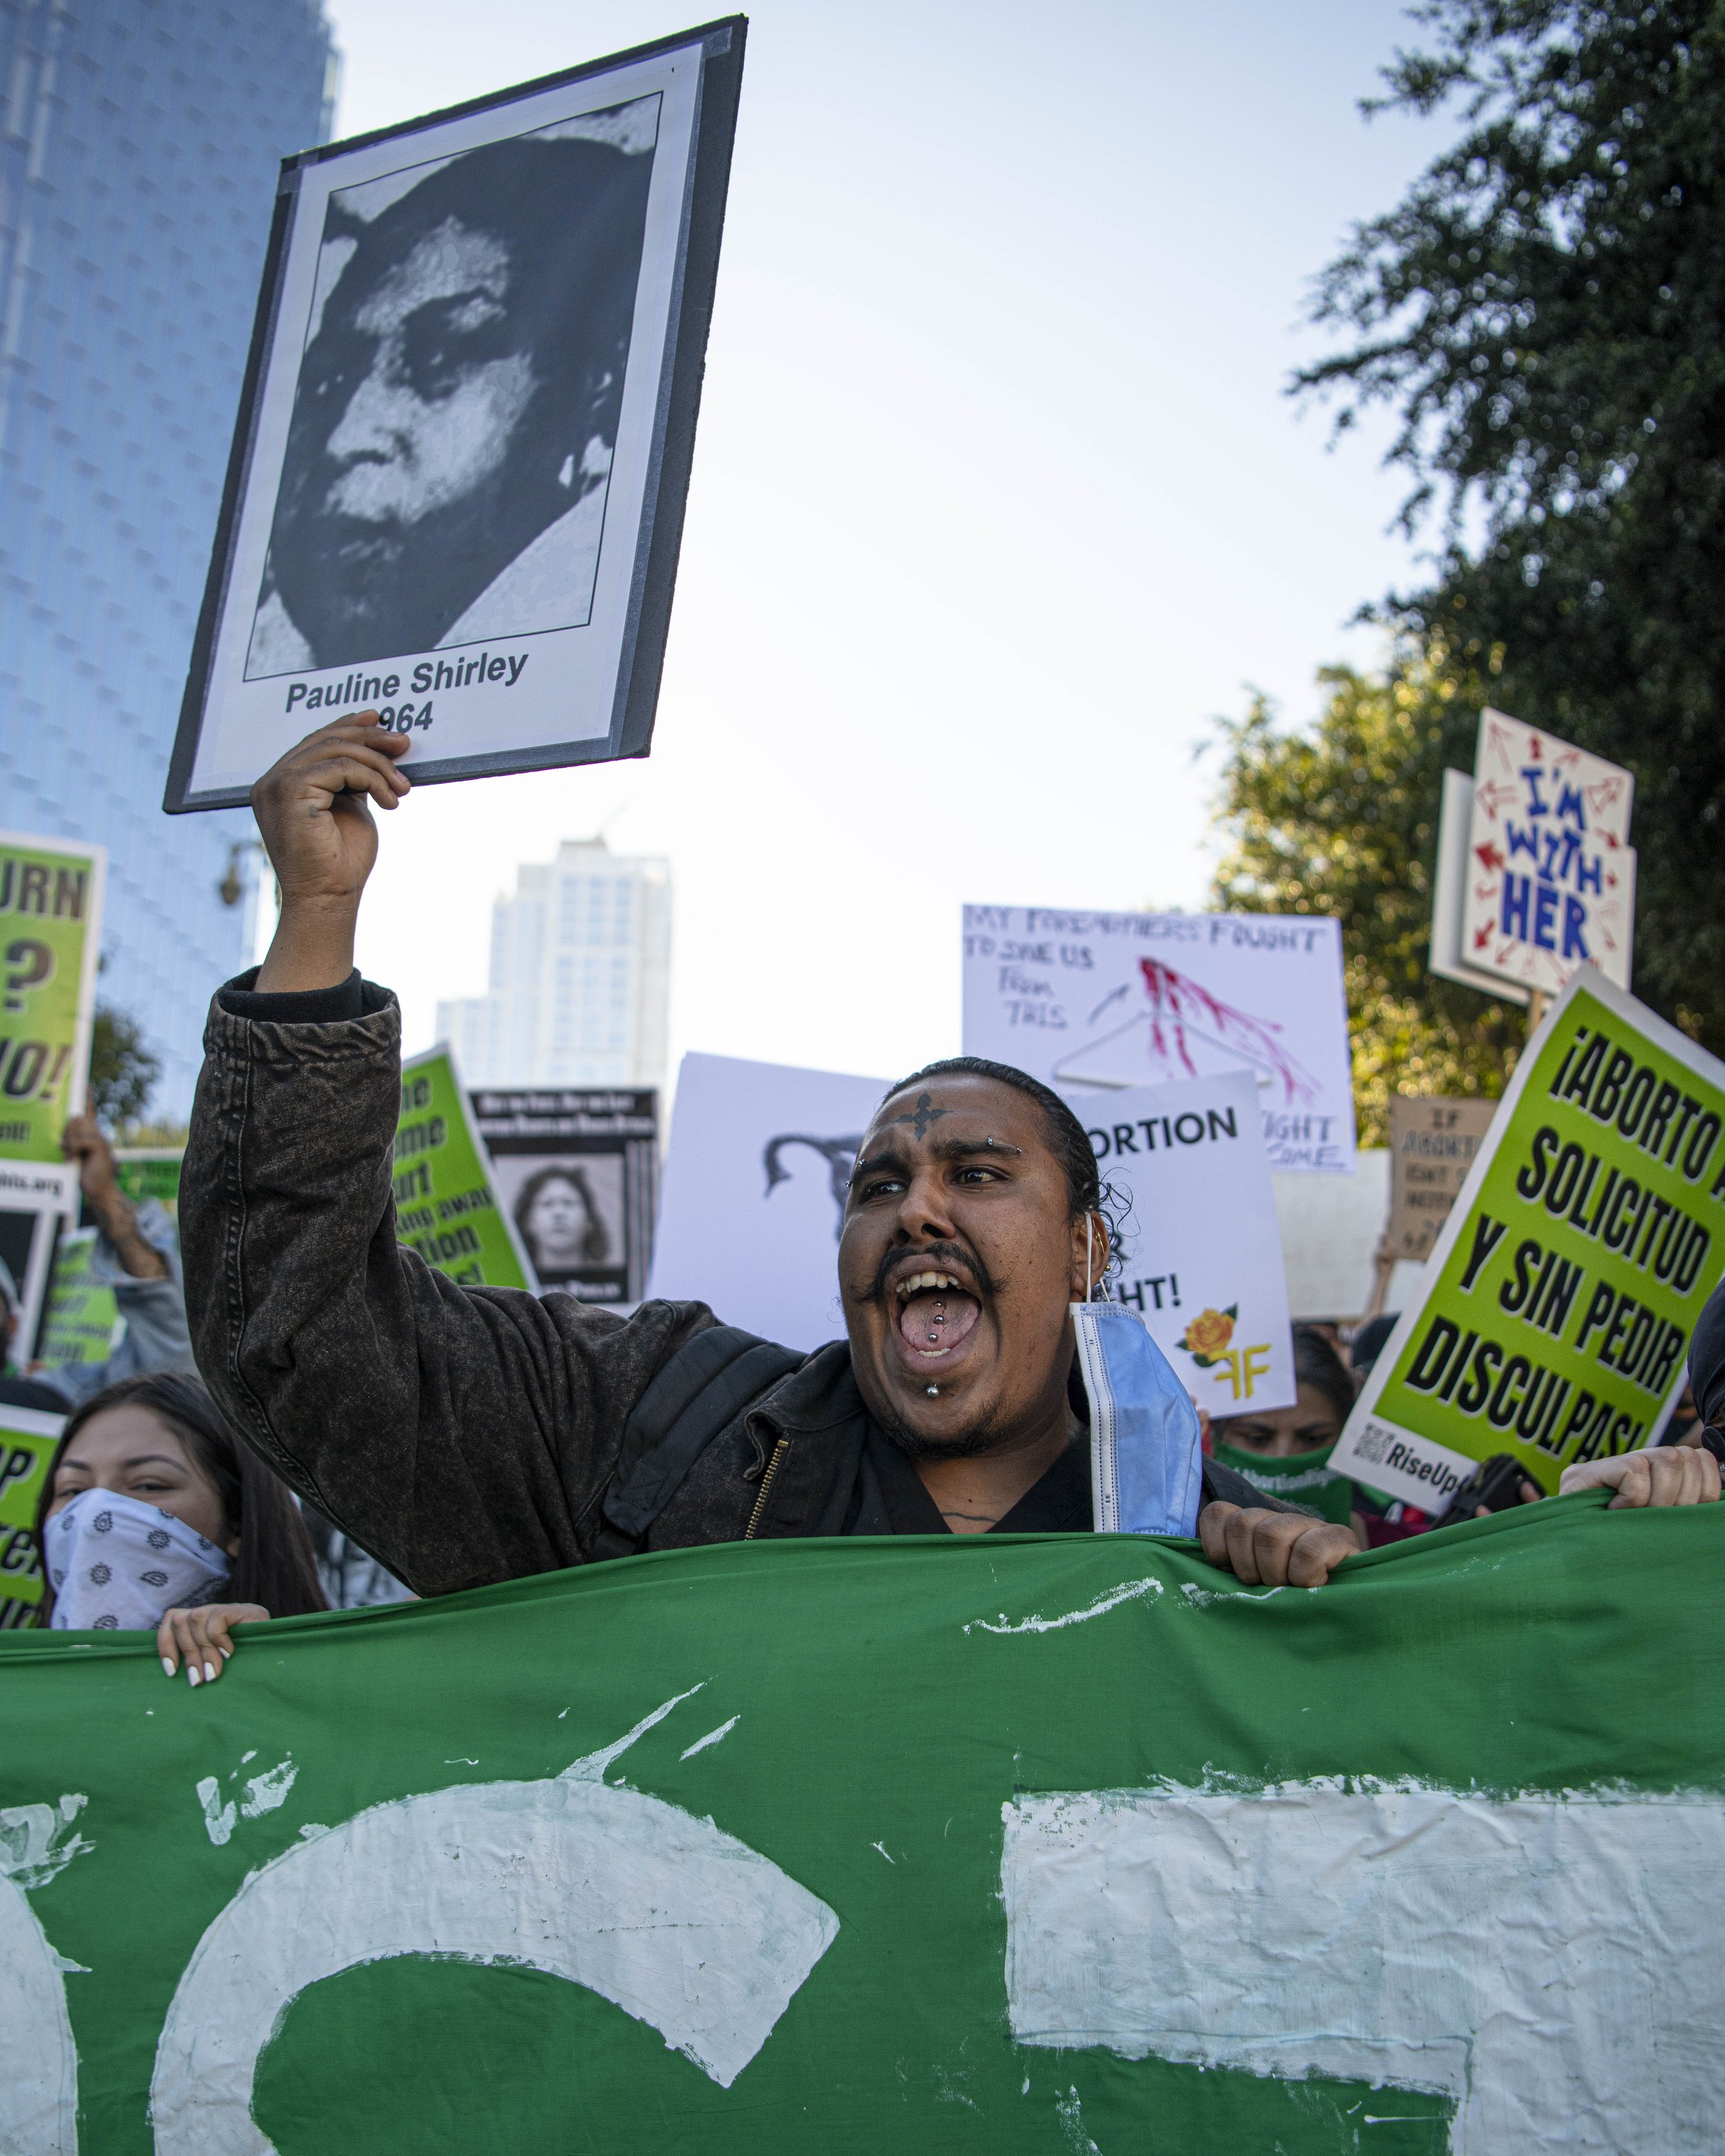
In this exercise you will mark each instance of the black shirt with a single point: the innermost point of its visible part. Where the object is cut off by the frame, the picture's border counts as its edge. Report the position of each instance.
(890, 1497)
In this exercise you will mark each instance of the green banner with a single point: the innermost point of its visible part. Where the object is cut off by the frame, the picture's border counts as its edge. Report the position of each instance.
(27, 1444)
(50, 932)
(1559, 1303)
(80, 1315)
(1053, 1845)
(446, 1208)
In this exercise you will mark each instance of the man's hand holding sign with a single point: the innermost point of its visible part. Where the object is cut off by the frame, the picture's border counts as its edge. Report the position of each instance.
(312, 808)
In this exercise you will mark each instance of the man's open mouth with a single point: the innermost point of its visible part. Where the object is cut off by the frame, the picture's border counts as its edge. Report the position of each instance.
(935, 1313)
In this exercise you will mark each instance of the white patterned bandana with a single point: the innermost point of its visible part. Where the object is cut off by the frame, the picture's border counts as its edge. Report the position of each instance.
(116, 1565)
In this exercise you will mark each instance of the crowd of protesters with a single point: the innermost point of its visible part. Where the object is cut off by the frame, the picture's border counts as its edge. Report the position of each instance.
(545, 1432)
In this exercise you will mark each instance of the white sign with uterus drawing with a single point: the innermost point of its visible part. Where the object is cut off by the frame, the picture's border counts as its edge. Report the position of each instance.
(1097, 1002)
(1551, 882)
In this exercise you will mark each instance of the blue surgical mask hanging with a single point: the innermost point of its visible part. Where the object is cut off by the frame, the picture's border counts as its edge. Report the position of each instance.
(1146, 1466)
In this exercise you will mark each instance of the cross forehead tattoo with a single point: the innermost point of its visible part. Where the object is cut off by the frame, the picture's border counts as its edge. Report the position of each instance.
(924, 1113)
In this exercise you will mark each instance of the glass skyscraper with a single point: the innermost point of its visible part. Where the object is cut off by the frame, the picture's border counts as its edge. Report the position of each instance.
(139, 146)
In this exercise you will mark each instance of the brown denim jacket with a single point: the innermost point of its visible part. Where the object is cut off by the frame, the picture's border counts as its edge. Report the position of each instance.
(461, 1436)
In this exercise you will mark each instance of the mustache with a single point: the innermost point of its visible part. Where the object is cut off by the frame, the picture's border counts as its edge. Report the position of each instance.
(952, 1254)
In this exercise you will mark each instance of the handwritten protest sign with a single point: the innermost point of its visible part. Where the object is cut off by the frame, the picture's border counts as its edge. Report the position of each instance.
(445, 1206)
(1099, 1002)
(1551, 882)
(1432, 1144)
(576, 1169)
(50, 937)
(754, 1194)
(1560, 1299)
(27, 1443)
(81, 1316)
(1202, 1252)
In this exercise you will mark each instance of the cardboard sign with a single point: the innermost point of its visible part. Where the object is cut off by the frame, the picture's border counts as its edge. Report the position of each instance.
(1551, 882)
(27, 1444)
(1330, 1226)
(445, 1206)
(1202, 1253)
(1559, 1301)
(50, 939)
(1105, 1001)
(457, 485)
(1432, 1144)
(36, 1202)
(80, 1320)
(755, 1182)
(576, 1170)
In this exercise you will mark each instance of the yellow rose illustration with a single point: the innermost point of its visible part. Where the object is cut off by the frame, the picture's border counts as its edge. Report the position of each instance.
(1206, 1337)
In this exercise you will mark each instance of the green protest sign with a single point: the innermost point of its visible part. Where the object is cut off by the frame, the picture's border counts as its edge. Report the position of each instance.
(1557, 1305)
(145, 1171)
(27, 1444)
(80, 1315)
(1020, 1846)
(50, 934)
(445, 1206)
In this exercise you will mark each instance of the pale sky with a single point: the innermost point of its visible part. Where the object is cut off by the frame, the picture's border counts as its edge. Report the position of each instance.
(997, 499)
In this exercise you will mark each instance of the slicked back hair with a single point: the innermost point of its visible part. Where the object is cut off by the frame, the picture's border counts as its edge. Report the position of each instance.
(1066, 1139)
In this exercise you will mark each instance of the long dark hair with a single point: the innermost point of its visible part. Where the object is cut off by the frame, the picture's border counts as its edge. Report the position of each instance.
(595, 1241)
(273, 1565)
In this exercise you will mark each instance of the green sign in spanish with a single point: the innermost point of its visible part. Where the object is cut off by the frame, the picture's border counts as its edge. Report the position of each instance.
(27, 1444)
(50, 931)
(80, 1315)
(446, 1208)
(1560, 1299)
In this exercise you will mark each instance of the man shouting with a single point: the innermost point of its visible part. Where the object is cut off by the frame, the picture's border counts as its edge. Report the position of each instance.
(464, 1435)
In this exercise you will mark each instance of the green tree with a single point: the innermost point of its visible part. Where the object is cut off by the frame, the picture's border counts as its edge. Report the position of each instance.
(122, 1071)
(1343, 821)
(1545, 309)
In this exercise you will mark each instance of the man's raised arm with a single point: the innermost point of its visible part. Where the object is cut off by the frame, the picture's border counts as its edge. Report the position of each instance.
(461, 1435)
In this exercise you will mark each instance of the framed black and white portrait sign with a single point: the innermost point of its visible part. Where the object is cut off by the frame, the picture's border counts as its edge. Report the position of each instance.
(457, 485)
(577, 1169)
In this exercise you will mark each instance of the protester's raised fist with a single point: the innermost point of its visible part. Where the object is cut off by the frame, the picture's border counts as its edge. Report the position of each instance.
(313, 808)
(1673, 1475)
(1273, 1549)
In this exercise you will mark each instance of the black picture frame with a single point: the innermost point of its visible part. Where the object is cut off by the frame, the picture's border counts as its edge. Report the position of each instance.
(641, 622)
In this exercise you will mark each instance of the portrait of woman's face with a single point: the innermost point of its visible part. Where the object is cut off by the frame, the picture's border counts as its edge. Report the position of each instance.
(557, 1223)
(459, 397)
(561, 1223)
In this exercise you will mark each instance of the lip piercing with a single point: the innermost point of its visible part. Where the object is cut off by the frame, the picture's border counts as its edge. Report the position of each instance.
(933, 1391)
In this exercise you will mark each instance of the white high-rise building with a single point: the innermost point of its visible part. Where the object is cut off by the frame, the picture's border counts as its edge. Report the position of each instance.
(580, 976)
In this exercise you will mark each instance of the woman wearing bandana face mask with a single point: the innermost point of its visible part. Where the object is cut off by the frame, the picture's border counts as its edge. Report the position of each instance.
(1285, 1451)
(152, 1517)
